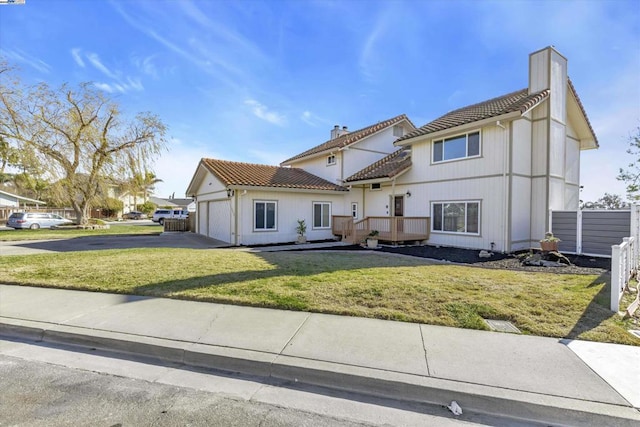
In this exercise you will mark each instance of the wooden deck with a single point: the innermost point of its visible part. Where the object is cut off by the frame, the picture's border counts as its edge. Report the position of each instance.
(390, 229)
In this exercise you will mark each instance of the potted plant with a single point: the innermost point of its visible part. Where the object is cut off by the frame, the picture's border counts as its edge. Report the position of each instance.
(549, 243)
(372, 239)
(301, 229)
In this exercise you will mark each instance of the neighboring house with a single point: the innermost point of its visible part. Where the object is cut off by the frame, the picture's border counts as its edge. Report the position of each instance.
(484, 176)
(171, 202)
(10, 202)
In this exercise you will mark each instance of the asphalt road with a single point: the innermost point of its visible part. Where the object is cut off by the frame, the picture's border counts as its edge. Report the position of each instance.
(61, 386)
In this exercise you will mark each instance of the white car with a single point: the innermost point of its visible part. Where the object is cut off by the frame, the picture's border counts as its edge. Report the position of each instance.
(161, 214)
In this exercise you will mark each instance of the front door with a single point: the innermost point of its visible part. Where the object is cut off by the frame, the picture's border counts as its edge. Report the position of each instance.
(398, 210)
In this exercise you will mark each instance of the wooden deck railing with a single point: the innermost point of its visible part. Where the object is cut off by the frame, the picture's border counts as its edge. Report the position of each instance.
(391, 229)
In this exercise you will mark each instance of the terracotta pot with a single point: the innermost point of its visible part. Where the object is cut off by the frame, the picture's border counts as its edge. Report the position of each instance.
(549, 246)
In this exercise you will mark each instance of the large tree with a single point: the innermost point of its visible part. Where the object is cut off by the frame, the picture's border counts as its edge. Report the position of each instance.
(77, 136)
(631, 175)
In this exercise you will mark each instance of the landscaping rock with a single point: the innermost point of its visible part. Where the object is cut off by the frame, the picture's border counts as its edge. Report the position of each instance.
(485, 254)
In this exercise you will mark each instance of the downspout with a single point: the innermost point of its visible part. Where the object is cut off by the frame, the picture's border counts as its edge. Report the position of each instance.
(505, 189)
(235, 216)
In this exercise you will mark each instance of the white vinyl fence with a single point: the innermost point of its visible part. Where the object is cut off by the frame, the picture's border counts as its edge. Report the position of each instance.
(624, 266)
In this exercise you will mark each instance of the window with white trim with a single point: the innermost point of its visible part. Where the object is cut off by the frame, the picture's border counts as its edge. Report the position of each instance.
(331, 160)
(321, 215)
(265, 215)
(354, 210)
(457, 147)
(456, 217)
(376, 186)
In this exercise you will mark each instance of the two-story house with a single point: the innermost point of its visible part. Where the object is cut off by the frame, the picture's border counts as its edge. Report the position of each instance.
(484, 176)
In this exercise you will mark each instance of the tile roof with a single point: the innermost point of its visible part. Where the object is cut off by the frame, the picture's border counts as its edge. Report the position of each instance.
(387, 167)
(350, 138)
(253, 175)
(519, 101)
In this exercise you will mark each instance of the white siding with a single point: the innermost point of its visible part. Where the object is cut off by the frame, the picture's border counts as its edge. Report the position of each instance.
(539, 148)
(520, 213)
(557, 149)
(291, 206)
(521, 150)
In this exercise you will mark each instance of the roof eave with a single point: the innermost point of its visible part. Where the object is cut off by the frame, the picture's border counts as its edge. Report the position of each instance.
(381, 179)
(457, 129)
(241, 187)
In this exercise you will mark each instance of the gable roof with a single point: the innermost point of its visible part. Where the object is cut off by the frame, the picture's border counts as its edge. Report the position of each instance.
(388, 167)
(239, 174)
(350, 138)
(519, 101)
(21, 198)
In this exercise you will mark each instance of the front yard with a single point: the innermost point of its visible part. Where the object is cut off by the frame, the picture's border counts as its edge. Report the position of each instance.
(356, 284)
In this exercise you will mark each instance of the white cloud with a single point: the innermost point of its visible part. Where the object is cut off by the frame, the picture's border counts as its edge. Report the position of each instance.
(94, 59)
(75, 53)
(21, 56)
(263, 113)
(146, 65)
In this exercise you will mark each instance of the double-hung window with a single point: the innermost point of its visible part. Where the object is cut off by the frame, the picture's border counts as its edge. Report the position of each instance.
(456, 217)
(331, 160)
(265, 215)
(321, 215)
(457, 147)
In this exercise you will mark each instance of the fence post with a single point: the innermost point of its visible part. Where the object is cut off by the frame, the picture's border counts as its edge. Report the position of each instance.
(579, 232)
(615, 278)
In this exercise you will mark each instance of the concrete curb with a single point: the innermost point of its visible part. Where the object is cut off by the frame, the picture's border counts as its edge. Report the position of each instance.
(373, 382)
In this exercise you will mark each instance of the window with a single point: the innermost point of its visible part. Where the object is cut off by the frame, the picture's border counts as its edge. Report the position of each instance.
(321, 215)
(376, 186)
(398, 131)
(456, 217)
(331, 160)
(457, 147)
(265, 215)
(354, 210)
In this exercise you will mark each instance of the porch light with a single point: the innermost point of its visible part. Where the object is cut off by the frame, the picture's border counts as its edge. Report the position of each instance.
(230, 192)
(408, 193)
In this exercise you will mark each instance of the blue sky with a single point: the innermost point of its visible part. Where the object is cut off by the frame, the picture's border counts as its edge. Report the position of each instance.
(261, 81)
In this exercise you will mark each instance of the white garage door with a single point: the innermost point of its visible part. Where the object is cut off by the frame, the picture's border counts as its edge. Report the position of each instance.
(220, 220)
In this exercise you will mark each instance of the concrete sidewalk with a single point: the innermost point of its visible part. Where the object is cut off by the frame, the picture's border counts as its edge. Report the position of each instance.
(524, 377)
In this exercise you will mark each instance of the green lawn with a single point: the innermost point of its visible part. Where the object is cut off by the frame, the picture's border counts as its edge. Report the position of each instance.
(68, 233)
(355, 284)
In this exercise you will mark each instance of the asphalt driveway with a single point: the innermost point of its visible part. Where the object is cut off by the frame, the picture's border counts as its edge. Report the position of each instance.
(92, 243)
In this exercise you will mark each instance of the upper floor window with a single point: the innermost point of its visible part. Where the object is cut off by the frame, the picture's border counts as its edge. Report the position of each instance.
(265, 214)
(398, 130)
(457, 147)
(331, 160)
(321, 215)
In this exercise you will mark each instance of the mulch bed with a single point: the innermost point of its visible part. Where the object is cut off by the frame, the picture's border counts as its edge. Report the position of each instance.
(579, 264)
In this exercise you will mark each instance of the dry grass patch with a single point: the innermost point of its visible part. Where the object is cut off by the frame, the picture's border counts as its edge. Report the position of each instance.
(356, 284)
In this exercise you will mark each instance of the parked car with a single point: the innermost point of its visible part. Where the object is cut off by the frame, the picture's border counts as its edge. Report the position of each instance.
(134, 215)
(161, 214)
(35, 220)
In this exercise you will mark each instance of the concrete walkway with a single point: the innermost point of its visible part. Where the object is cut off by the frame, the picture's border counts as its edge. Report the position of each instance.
(523, 377)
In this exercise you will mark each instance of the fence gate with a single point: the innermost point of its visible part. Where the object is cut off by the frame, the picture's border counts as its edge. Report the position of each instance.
(593, 232)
